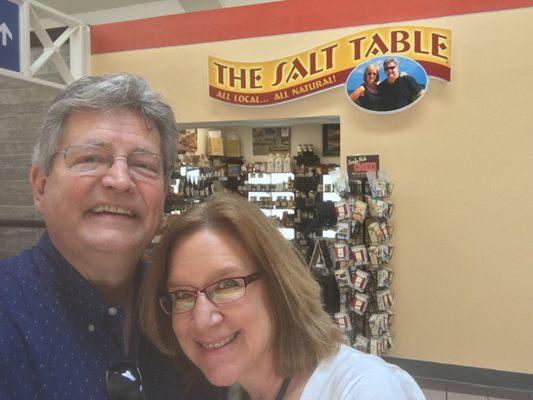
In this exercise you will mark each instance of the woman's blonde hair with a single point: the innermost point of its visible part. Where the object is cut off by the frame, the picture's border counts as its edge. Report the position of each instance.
(303, 332)
(368, 67)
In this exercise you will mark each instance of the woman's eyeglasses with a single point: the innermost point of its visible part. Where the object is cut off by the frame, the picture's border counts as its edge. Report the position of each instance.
(123, 381)
(220, 292)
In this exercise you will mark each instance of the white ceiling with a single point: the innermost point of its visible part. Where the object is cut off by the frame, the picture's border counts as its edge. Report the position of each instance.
(95, 12)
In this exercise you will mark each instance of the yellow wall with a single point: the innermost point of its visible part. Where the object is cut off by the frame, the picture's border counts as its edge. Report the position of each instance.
(461, 162)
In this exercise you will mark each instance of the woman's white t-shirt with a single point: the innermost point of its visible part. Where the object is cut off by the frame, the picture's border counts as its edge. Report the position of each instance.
(353, 375)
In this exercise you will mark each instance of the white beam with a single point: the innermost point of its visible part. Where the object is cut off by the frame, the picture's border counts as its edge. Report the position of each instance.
(80, 50)
(198, 5)
(24, 35)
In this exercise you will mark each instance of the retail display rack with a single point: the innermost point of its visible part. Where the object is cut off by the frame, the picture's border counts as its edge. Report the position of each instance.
(353, 267)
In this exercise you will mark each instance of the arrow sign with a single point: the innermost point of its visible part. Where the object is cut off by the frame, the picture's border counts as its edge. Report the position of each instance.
(5, 32)
(9, 36)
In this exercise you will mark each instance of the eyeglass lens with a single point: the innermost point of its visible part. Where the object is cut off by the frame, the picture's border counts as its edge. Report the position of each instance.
(124, 382)
(96, 160)
(390, 67)
(220, 292)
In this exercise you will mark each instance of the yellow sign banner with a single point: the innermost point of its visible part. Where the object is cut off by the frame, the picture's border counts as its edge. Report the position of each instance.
(326, 66)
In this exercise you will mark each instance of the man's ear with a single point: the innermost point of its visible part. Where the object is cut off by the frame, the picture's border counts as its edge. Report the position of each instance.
(38, 182)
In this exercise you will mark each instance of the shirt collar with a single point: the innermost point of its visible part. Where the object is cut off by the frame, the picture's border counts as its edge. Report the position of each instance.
(75, 290)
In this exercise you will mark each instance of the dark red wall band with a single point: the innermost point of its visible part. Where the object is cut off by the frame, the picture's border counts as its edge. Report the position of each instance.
(276, 18)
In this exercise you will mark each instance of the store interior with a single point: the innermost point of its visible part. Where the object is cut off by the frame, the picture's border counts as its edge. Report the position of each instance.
(459, 161)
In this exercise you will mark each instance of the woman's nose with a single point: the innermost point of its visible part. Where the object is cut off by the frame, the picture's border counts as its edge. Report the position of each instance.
(205, 314)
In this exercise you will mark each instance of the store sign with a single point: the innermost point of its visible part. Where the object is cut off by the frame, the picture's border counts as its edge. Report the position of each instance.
(9, 36)
(326, 66)
(358, 165)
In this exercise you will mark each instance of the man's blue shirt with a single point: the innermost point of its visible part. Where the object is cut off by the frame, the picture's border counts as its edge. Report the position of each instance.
(59, 335)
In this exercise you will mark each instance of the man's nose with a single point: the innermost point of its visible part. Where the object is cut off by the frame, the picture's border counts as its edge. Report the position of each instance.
(118, 176)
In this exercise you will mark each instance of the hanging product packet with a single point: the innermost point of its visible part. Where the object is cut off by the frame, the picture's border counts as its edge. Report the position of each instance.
(360, 280)
(359, 255)
(341, 210)
(359, 211)
(378, 323)
(343, 321)
(343, 279)
(361, 343)
(359, 303)
(384, 299)
(379, 184)
(384, 277)
(375, 346)
(341, 252)
(379, 232)
(380, 254)
(342, 231)
(378, 208)
(385, 342)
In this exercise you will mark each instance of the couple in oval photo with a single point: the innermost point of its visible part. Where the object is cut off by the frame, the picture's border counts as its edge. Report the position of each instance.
(399, 87)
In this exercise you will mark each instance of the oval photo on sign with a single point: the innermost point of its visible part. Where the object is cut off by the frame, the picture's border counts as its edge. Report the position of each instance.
(386, 84)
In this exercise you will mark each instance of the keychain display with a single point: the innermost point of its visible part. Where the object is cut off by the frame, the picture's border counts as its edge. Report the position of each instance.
(361, 254)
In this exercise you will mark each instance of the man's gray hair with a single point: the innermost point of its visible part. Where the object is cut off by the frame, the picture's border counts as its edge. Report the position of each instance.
(102, 94)
(390, 60)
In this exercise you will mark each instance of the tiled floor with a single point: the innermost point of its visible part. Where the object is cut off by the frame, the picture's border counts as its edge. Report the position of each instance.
(434, 390)
(440, 395)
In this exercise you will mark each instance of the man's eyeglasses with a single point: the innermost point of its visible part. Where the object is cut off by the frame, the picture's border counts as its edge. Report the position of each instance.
(390, 67)
(220, 292)
(88, 159)
(123, 381)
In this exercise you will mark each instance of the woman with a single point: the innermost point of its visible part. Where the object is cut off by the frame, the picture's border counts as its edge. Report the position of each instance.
(230, 293)
(366, 95)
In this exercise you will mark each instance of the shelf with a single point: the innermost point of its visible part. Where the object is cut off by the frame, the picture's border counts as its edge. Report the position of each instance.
(275, 193)
(276, 208)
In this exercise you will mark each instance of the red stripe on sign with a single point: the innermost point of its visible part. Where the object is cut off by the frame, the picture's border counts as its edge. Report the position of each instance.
(437, 70)
(276, 18)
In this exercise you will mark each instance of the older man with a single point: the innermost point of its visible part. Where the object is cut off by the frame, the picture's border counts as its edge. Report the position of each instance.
(399, 89)
(68, 325)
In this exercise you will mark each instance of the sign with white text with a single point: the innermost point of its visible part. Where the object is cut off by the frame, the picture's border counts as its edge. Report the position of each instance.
(358, 165)
(9, 36)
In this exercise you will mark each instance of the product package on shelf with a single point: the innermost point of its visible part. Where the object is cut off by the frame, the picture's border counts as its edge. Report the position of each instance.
(273, 193)
(361, 254)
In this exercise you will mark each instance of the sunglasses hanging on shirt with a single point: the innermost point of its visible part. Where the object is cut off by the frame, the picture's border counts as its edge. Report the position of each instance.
(124, 382)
